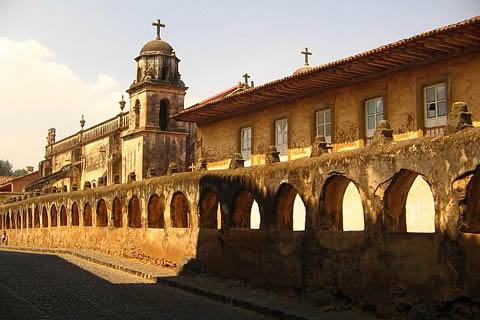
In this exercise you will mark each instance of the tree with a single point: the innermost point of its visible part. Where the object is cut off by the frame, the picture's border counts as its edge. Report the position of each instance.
(6, 168)
(20, 172)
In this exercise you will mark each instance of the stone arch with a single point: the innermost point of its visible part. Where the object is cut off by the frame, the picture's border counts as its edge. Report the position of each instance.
(156, 210)
(44, 217)
(403, 205)
(420, 207)
(13, 220)
(117, 213)
(255, 216)
(290, 210)
(208, 209)
(471, 203)
(134, 213)
(36, 217)
(53, 216)
(246, 211)
(19, 220)
(102, 216)
(29, 218)
(163, 114)
(24, 219)
(63, 215)
(342, 204)
(75, 215)
(87, 215)
(179, 211)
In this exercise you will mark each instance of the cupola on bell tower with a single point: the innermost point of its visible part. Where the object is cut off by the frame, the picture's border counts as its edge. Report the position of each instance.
(156, 95)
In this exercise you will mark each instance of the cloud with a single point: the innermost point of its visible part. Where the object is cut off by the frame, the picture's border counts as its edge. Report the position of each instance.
(39, 93)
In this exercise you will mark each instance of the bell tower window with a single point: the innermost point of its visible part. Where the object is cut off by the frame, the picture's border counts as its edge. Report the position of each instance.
(137, 114)
(163, 114)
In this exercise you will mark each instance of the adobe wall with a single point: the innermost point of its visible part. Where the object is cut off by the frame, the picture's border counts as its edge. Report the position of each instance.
(381, 262)
(402, 93)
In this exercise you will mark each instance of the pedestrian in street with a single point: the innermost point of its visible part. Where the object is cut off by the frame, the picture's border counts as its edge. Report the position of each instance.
(4, 238)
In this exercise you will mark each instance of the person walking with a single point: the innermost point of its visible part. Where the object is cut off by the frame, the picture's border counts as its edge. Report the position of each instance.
(4, 238)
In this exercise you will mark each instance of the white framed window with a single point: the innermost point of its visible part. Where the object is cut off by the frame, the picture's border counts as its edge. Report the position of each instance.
(246, 145)
(435, 101)
(281, 138)
(374, 113)
(323, 120)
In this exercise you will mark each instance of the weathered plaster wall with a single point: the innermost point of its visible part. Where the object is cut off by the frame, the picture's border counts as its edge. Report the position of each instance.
(95, 162)
(369, 265)
(403, 101)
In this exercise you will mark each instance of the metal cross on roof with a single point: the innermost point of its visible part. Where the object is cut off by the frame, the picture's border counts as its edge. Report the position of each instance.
(158, 25)
(246, 76)
(306, 53)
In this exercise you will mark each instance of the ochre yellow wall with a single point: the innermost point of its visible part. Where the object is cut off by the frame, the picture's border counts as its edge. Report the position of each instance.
(403, 100)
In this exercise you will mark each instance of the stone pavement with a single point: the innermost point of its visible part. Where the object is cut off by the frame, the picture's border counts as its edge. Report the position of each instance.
(230, 292)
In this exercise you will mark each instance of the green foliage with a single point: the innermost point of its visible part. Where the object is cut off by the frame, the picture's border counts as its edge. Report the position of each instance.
(20, 172)
(6, 168)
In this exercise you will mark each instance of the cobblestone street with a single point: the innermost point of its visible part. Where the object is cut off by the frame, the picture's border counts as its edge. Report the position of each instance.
(39, 286)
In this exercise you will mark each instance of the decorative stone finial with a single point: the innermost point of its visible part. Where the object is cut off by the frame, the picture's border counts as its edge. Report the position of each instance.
(172, 168)
(272, 155)
(319, 146)
(82, 122)
(132, 177)
(459, 118)
(202, 164)
(152, 172)
(383, 134)
(236, 161)
(122, 104)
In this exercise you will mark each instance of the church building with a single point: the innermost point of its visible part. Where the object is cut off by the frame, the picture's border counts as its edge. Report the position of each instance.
(412, 83)
(141, 142)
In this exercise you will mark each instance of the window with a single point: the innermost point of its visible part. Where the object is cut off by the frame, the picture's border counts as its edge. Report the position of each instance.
(374, 114)
(246, 145)
(281, 138)
(435, 99)
(324, 124)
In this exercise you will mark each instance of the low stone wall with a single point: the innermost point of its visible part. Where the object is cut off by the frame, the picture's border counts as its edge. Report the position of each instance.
(383, 261)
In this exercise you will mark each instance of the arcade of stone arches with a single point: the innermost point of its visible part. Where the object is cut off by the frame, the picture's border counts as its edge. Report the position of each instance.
(408, 198)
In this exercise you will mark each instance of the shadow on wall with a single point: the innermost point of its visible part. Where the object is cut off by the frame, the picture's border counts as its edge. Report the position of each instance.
(271, 238)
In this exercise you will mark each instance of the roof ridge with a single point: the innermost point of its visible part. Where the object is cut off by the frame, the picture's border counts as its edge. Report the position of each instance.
(380, 49)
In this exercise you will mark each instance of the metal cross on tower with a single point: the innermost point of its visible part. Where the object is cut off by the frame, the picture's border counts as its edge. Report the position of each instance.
(246, 76)
(158, 25)
(306, 53)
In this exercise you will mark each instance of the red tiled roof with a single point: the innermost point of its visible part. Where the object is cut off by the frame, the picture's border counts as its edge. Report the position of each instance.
(4, 179)
(222, 94)
(431, 46)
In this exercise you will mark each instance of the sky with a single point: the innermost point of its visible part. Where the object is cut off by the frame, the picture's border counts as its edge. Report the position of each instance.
(62, 59)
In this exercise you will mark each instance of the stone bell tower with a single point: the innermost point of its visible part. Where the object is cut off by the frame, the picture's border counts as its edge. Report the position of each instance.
(154, 139)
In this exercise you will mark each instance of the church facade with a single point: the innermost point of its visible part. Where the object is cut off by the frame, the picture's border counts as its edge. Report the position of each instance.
(136, 144)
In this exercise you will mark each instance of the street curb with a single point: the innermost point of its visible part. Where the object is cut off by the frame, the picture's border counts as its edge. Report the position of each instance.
(167, 281)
